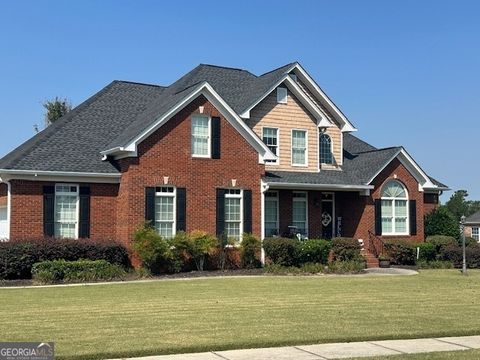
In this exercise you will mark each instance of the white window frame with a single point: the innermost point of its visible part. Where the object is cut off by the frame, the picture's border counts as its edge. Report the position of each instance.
(393, 200)
(305, 200)
(209, 137)
(320, 147)
(229, 195)
(77, 204)
(277, 161)
(167, 194)
(282, 95)
(476, 236)
(277, 200)
(306, 148)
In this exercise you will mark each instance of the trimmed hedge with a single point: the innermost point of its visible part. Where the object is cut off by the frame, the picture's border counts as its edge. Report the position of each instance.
(401, 252)
(428, 252)
(281, 251)
(454, 254)
(54, 271)
(441, 241)
(18, 257)
(346, 249)
(313, 251)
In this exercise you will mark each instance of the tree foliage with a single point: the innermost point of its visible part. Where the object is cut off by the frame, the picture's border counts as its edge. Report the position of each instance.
(55, 109)
(458, 205)
(442, 222)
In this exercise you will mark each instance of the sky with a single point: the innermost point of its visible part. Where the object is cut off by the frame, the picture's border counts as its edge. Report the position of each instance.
(405, 72)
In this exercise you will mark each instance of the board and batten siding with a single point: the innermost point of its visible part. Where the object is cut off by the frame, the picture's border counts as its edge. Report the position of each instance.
(287, 117)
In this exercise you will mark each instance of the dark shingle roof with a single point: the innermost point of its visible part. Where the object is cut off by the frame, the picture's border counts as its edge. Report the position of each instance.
(361, 162)
(473, 219)
(73, 143)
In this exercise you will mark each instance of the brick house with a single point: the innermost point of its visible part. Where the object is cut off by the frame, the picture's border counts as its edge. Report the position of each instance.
(472, 226)
(220, 150)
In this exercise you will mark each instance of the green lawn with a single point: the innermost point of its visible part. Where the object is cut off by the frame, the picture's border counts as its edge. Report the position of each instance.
(448, 355)
(94, 322)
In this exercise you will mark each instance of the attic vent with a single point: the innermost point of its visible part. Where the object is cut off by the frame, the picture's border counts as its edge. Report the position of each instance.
(281, 95)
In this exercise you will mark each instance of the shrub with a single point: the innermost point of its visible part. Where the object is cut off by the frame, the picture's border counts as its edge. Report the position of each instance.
(401, 252)
(428, 252)
(346, 267)
(250, 250)
(345, 249)
(441, 222)
(313, 251)
(154, 251)
(74, 271)
(435, 264)
(441, 241)
(197, 245)
(18, 257)
(228, 258)
(454, 253)
(281, 251)
(312, 268)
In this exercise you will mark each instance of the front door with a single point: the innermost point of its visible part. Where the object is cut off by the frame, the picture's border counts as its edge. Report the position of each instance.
(328, 216)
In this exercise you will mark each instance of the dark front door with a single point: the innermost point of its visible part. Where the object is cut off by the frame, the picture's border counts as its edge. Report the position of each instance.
(327, 218)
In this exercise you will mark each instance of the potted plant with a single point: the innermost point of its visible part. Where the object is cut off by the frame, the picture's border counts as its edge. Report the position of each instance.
(384, 261)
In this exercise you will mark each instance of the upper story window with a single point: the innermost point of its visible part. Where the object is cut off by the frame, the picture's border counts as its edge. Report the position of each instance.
(165, 211)
(394, 209)
(201, 136)
(299, 147)
(233, 213)
(282, 95)
(270, 138)
(66, 210)
(326, 156)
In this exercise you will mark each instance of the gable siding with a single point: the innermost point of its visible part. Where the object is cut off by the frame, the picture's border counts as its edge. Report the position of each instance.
(287, 117)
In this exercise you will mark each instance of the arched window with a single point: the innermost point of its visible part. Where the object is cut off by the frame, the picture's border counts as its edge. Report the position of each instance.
(326, 156)
(394, 209)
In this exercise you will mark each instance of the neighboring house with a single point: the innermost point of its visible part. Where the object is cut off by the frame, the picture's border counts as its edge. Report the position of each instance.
(472, 226)
(220, 150)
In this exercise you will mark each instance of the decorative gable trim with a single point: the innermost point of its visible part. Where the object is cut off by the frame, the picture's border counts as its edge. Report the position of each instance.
(322, 120)
(212, 96)
(424, 182)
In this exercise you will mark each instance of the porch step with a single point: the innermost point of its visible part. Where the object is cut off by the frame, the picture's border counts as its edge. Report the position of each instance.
(372, 260)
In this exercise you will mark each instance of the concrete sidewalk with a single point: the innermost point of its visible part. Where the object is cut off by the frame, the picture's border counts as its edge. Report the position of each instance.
(334, 351)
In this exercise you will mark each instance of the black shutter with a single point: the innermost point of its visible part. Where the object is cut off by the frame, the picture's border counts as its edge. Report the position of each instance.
(413, 217)
(215, 138)
(247, 211)
(150, 205)
(181, 209)
(84, 220)
(49, 210)
(220, 212)
(378, 217)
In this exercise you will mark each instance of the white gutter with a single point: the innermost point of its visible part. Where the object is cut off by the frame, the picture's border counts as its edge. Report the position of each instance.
(279, 185)
(57, 173)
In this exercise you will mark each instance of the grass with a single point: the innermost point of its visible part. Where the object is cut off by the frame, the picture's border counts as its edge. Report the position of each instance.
(447, 355)
(174, 316)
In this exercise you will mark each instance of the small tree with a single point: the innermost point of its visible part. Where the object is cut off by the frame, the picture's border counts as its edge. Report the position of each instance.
(55, 109)
(197, 244)
(441, 222)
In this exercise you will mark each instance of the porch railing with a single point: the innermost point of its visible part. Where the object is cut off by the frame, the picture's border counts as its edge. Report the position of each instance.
(375, 244)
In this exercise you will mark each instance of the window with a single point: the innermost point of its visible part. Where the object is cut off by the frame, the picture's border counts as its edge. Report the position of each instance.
(394, 209)
(476, 233)
(165, 210)
(66, 211)
(233, 213)
(200, 136)
(270, 138)
(281, 95)
(299, 212)
(271, 213)
(299, 147)
(326, 156)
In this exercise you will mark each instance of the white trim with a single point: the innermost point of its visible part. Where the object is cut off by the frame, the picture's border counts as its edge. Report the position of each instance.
(263, 190)
(209, 139)
(322, 119)
(323, 98)
(279, 185)
(331, 149)
(277, 161)
(77, 205)
(277, 199)
(167, 194)
(212, 96)
(58, 176)
(424, 181)
(302, 199)
(306, 148)
(9, 208)
(478, 233)
(236, 196)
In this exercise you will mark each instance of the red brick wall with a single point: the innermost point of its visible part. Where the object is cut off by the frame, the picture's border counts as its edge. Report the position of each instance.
(27, 209)
(167, 152)
(430, 202)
